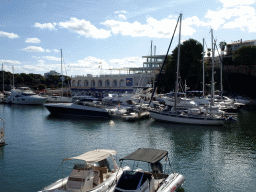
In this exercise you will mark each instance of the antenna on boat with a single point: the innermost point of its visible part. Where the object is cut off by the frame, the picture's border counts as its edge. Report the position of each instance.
(13, 76)
(203, 68)
(61, 74)
(3, 75)
(212, 84)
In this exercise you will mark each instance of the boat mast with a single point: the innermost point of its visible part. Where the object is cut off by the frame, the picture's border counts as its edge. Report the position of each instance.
(203, 67)
(13, 77)
(221, 84)
(62, 75)
(3, 75)
(212, 84)
(178, 63)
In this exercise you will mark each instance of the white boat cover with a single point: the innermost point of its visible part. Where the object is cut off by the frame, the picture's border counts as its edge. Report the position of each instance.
(94, 156)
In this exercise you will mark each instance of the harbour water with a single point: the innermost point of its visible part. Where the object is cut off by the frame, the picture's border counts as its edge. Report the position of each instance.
(211, 158)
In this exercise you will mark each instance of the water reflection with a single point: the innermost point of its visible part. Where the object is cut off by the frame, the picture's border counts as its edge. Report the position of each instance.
(2, 152)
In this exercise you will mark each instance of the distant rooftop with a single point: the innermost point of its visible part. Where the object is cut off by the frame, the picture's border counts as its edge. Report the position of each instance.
(241, 41)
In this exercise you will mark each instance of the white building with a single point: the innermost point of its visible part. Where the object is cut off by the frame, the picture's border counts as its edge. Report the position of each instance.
(240, 43)
(136, 77)
(46, 75)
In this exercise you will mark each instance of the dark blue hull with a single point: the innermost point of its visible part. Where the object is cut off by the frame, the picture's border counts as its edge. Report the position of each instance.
(58, 110)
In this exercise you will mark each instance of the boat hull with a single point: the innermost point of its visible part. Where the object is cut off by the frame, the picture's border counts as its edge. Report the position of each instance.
(172, 183)
(161, 116)
(60, 185)
(26, 100)
(72, 109)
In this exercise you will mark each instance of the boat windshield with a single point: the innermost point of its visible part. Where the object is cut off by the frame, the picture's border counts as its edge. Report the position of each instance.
(130, 180)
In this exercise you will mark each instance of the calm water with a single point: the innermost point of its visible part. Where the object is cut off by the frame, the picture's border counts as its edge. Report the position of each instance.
(211, 158)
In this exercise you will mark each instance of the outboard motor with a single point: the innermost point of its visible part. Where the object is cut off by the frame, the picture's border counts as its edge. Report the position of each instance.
(156, 167)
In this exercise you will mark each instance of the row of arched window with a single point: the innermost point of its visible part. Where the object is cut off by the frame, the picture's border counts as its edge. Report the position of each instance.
(99, 83)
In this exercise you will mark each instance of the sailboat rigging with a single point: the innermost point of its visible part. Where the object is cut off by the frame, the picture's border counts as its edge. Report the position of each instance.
(195, 116)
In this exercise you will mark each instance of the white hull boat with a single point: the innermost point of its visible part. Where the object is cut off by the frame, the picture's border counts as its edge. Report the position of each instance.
(130, 117)
(182, 118)
(25, 96)
(148, 181)
(94, 174)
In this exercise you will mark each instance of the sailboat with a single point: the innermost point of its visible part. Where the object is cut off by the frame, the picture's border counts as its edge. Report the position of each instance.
(196, 117)
(56, 98)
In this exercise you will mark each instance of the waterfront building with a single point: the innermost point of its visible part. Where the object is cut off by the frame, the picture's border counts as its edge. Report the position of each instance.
(238, 44)
(135, 78)
(52, 72)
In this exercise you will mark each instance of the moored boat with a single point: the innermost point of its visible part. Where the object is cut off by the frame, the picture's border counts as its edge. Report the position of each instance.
(86, 109)
(58, 99)
(95, 174)
(154, 180)
(184, 118)
(25, 96)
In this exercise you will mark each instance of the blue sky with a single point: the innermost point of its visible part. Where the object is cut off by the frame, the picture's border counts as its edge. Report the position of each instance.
(111, 34)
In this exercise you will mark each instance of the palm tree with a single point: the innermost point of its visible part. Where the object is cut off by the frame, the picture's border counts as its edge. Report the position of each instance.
(222, 45)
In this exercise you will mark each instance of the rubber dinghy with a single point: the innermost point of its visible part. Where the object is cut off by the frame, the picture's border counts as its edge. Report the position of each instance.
(155, 180)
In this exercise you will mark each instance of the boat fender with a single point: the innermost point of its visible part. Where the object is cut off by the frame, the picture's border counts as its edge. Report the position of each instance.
(173, 189)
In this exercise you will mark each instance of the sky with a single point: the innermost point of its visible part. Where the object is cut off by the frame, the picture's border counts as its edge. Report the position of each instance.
(107, 37)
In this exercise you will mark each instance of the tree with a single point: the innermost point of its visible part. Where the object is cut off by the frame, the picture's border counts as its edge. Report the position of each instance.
(190, 66)
(222, 45)
(245, 56)
(41, 86)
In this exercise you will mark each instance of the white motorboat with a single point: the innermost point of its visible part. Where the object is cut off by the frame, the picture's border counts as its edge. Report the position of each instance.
(80, 108)
(98, 172)
(24, 95)
(154, 180)
(2, 97)
(133, 116)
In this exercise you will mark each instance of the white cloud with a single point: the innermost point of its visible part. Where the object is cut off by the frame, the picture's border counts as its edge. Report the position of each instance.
(153, 28)
(8, 35)
(50, 26)
(127, 62)
(11, 62)
(35, 49)
(233, 3)
(56, 50)
(90, 62)
(52, 58)
(33, 40)
(121, 16)
(122, 12)
(85, 28)
(242, 17)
